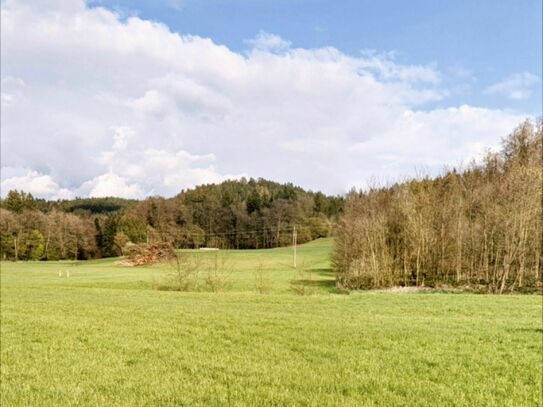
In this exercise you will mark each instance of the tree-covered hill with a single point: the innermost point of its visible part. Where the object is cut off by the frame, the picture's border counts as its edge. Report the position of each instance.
(233, 214)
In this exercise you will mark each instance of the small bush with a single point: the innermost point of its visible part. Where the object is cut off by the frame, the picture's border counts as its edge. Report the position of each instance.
(262, 284)
(192, 272)
(185, 274)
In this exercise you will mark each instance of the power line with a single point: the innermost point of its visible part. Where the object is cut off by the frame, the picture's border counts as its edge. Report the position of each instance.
(285, 229)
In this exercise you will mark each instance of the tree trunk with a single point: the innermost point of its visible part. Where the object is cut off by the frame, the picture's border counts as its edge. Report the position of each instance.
(506, 268)
(15, 248)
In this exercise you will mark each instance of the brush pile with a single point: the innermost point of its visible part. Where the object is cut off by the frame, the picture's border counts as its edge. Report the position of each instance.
(149, 253)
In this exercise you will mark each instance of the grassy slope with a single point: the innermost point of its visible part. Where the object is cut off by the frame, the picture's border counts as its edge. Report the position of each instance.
(102, 337)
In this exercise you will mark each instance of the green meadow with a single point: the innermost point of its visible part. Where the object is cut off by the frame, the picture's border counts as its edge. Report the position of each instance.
(107, 335)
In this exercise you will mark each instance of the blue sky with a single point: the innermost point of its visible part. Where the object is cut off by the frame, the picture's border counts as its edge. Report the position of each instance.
(144, 98)
(474, 43)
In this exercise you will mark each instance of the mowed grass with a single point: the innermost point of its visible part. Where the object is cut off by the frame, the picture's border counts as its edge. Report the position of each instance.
(103, 336)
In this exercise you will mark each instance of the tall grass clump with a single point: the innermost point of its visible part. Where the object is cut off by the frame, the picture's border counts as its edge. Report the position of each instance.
(190, 272)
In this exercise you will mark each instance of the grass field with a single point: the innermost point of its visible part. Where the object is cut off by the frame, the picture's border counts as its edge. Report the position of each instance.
(104, 336)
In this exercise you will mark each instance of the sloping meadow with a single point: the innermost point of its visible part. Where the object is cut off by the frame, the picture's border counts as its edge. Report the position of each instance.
(95, 333)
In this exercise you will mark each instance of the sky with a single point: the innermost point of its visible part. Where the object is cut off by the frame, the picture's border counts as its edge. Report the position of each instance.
(140, 98)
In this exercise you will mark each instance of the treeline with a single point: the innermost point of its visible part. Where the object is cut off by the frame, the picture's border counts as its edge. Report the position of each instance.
(234, 214)
(478, 227)
(16, 201)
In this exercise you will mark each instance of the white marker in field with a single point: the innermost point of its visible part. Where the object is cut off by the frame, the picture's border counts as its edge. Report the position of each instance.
(60, 273)
(67, 273)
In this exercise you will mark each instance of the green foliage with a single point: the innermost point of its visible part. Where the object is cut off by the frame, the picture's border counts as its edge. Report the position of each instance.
(109, 231)
(319, 226)
(18, 201)
(135, 230)
(254, 202)
(96, 205)
(33, 245)
(7, 246)
(9, 230)
(253, 213)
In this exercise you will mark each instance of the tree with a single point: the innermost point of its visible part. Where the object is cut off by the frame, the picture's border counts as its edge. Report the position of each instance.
(109, 231)
(134, 229)
(121, 240)
(10, 230)
(34, 245)
(18, 201)
(254, 202)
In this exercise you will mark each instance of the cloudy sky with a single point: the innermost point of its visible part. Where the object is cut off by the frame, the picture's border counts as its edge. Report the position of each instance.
(130, 99)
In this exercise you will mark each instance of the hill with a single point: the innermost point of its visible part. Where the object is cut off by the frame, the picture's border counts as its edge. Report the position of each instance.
(233, 214)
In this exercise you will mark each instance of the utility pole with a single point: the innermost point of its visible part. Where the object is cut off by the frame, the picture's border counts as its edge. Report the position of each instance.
(294, 236)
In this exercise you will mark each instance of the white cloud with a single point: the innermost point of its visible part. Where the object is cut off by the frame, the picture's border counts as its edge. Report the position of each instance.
(37, 184)
(150, 171)
(11, 90)
(383, 65)
(121, 137)
(110, 184)
(101, 105)
(517, 86)
(421, 140)
(268, 42)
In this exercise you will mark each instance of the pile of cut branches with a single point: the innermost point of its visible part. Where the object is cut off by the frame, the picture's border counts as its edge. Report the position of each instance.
(150, 253)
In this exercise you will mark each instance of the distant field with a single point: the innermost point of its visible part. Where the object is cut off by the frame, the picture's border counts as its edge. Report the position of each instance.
(104, 336)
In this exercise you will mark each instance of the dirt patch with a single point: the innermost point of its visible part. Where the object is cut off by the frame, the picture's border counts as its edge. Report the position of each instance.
(124, 263)
(406, 290)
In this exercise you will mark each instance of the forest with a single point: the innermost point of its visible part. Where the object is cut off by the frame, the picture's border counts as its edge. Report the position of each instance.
(241, 214)
(477, 226)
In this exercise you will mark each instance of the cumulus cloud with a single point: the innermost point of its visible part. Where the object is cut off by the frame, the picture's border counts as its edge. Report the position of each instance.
(37, 184)
(95, 104)
(267, 41)
(121, 137)
(517, 86)
(420, 140)
(110, 184)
